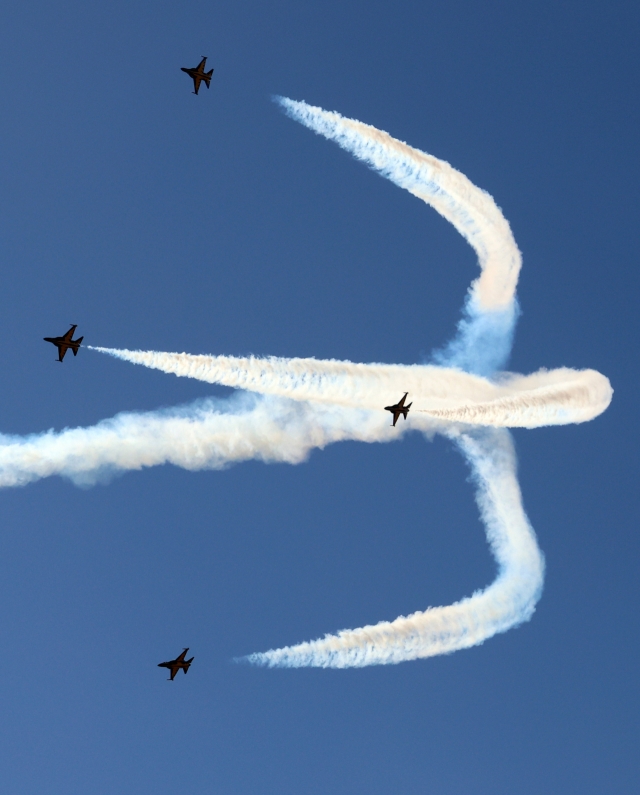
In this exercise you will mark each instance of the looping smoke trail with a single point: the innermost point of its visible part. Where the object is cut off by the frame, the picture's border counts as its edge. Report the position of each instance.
(548, 397)
(306, 403)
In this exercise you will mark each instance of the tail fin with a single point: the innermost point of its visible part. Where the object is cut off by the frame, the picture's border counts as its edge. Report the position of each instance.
(207, 77)
(187, 665)
(77, 346)
(405, 410)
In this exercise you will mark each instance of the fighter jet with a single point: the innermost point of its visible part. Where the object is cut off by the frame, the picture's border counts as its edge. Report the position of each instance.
(175, 665)
(197, 74)
(399, 408)
(65, 342)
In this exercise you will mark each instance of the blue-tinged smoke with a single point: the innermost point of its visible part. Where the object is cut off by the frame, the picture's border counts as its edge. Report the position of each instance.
(471, 210)
(483, 342)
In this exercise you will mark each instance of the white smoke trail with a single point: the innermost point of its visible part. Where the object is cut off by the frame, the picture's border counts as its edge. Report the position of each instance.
(509, 601)
(306, 403)
(471, 210)
(208, 434)
(555, 397)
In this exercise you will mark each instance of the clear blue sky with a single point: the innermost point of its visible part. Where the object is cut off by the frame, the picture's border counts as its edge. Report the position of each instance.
(213, 224)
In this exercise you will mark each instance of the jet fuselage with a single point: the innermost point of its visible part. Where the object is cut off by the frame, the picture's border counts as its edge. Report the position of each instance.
(399, 409)
(65, 342)
(176, 665)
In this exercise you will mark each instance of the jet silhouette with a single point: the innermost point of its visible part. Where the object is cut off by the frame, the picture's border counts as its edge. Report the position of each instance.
(197, 74)
(399, 408)
(175, 665)
(65, 342)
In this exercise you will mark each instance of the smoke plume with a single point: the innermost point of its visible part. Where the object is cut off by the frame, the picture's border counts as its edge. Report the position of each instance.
(290, 406)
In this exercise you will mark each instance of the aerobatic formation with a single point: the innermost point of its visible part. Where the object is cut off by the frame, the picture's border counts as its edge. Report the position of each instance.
(290, 406)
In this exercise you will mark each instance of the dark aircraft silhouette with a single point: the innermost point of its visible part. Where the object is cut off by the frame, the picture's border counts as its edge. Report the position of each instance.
(175, 665)
(65, 342)
(197, 74)
(399, 408)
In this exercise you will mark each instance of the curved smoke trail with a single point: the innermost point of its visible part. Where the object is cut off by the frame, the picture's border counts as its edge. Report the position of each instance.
(471, 210)
(303, 404)
(508, 601)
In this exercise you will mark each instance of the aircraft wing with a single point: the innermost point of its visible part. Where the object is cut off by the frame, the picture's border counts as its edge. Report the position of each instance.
(62, 349)
(202, 63)
(402, 400)
(181, 657)
(69, 335)
(174, 671)
(196, 83)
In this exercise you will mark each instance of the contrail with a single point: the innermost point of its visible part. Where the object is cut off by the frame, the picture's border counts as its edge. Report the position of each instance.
(291, 406)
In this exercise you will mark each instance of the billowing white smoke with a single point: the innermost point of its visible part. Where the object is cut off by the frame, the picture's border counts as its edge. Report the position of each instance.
(208, 434)
(303, 404)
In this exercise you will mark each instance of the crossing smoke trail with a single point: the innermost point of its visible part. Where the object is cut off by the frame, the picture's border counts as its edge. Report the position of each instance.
(301, 404)
(451, 398)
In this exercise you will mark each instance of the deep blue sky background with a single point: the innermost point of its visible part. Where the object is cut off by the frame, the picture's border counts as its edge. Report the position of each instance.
(156, 219)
